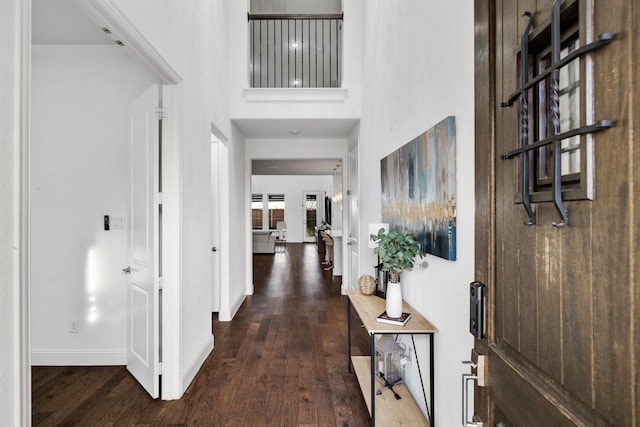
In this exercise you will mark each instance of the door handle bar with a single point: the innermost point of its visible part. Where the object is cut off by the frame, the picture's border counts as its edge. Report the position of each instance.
(465, 401)
(466, 422)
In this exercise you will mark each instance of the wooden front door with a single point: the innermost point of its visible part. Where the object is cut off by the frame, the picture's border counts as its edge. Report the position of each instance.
(563, 303)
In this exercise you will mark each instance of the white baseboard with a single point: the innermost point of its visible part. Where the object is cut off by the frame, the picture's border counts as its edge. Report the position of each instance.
(227, 316)
(196, 363)
(237, 306)
(78, 357)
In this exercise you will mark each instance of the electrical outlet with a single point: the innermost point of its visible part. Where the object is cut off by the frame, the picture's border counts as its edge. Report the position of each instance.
(74, 326)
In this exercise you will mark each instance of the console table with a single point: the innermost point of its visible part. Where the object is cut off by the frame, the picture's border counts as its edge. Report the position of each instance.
(391, 411)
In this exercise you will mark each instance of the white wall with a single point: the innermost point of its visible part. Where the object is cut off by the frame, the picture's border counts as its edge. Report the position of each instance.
(14, 373)
(292, 186)
(78, 174)
(420, 60)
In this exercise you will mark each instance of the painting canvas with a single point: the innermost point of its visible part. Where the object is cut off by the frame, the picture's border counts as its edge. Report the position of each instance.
(419, 189)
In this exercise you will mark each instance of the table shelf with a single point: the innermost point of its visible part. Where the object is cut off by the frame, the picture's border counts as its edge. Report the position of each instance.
(385, 409)
(391, 412)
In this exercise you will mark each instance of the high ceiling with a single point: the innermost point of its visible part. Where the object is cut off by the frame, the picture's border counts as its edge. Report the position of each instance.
(56, 22)
(295, 128)
(64, 22)
(296, 167)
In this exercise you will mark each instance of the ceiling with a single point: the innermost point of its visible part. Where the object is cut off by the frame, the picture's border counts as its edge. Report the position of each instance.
(63, 22)
(295, 128)
(292, 129)
(296, 167)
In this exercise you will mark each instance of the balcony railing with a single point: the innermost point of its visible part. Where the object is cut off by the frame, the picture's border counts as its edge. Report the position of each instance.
(295, 50)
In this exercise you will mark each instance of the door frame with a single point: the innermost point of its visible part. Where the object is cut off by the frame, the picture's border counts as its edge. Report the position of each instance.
(319, 212)
(215, 222)
(104, 13)
(171, 304)
(353, 216)
(222, 238)
(21, 386)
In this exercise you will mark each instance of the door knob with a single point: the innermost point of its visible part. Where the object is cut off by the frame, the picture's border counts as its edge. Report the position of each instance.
(214, 249)
(126, 270)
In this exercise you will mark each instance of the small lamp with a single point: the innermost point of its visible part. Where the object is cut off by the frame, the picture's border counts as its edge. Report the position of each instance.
(388, 360)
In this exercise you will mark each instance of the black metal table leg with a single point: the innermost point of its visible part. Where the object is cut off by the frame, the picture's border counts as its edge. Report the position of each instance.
(432, 386)
(373, 381)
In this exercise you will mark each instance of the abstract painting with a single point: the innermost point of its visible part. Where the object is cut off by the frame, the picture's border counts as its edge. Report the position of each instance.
(419, 189)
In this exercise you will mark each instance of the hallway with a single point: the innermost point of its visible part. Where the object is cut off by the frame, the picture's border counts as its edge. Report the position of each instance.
(282, 361)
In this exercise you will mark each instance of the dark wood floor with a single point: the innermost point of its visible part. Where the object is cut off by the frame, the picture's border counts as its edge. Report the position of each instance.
(282, 361)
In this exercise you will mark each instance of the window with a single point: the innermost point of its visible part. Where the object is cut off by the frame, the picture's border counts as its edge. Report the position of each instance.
(276, 209)
(556, 105)
(569, 92)
(576, 153)
(257, 206)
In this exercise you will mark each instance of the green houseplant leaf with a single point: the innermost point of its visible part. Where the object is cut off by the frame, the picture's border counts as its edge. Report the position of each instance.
(397, 251)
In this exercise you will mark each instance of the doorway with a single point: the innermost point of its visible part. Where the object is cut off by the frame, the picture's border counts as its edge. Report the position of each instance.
(311, 214)
(219, 215)
(80, 219)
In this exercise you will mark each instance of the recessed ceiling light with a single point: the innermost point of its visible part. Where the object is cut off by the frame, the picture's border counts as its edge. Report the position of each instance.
(294, 44)
(294, 131)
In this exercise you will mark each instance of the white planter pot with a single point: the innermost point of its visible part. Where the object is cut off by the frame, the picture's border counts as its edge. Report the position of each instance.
(394, 299)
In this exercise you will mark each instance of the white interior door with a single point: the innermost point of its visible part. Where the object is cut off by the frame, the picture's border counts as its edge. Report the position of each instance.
(143, 320)
(311, 212)
(354, 217)
(215, 224)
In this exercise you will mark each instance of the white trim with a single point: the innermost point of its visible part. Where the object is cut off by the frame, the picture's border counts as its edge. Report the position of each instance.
(248, 237)
(224, 218)
(22, 214)
(78, 357)
(106, 14)
(319, 212)
(226, 316)
(196, 363)
(295, 94)
(172, 385)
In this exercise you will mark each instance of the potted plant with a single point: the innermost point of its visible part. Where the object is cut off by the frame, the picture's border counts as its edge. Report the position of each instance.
(397, 252)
